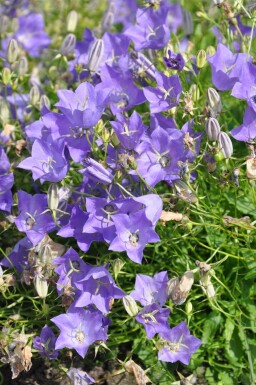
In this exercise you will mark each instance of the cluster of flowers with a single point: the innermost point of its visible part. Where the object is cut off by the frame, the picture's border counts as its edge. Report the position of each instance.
(96, 134)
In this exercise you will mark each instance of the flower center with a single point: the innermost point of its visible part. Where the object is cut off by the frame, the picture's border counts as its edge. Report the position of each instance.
(164, 161)
(133, 239)
(80, 336)
(109, 209)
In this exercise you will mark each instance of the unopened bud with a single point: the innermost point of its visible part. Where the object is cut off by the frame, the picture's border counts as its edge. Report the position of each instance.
(218, 2)
(68, 44)
(96, 55)
(225, 145)
(187, 22)
(105, 134)
(22, 66)
(114, 140)
(130, 305)
(117, 266)
(210, 50)
(212, 129)
(213, 101)
(53, 197)
(44, 102)
(189, 308)
(72, 21)
(41, 286)
(201, 59)
(12, 51)
(195, 92)
(4, 21)
(34, 95)
(6, 75)
(4, 111)
(108, 18)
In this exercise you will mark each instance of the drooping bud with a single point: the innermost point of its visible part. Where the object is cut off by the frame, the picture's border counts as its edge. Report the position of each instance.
(108, 18)
(34, 95)
(201, 59)
(6, 75)
(225, 145)
(68, 44)
(22, 66)
(53, 197)
(212, 129)
(72, 21)
(195, 92)
(187, 22)
(130, 305)
(12, 51)
(213, 102)
(205, 273)
(95, 55)
(4, 21)
(44, 102)
(41, 286)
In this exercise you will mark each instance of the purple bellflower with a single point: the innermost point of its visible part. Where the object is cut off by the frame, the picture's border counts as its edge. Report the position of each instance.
(97, 287)
(150, 31)
(48, 161)
(226, 67)
(177, 344)
(79, 329)
(31, 35)
(150, 290)
(158, 160)
(133, 233)
(154, 319)
(247, 131)
(45, 344)
(165, 95)
(174, 60)
(79, 377)
(6, 182)
(33, 218)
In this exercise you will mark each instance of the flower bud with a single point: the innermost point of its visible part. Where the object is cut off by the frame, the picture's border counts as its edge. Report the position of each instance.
(213, 101)
(210, 50)
(195, 92)
(212, 129)
(22, 66)
(130, 305)
(187, 22)
(218, 2)
(34, 95)
(117, 266)
(53, 197)
(4, 111)
(95, 55)
(225, 145)
(4, 21)
(201, 59)
(108, 18)
(12, 51)
(41, 286)
(72, 21)
(68, 44)
(44, 102)
(189, 308)
(6, 75)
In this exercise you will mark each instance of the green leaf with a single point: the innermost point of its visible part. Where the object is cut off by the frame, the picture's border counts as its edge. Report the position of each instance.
(211, 326)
